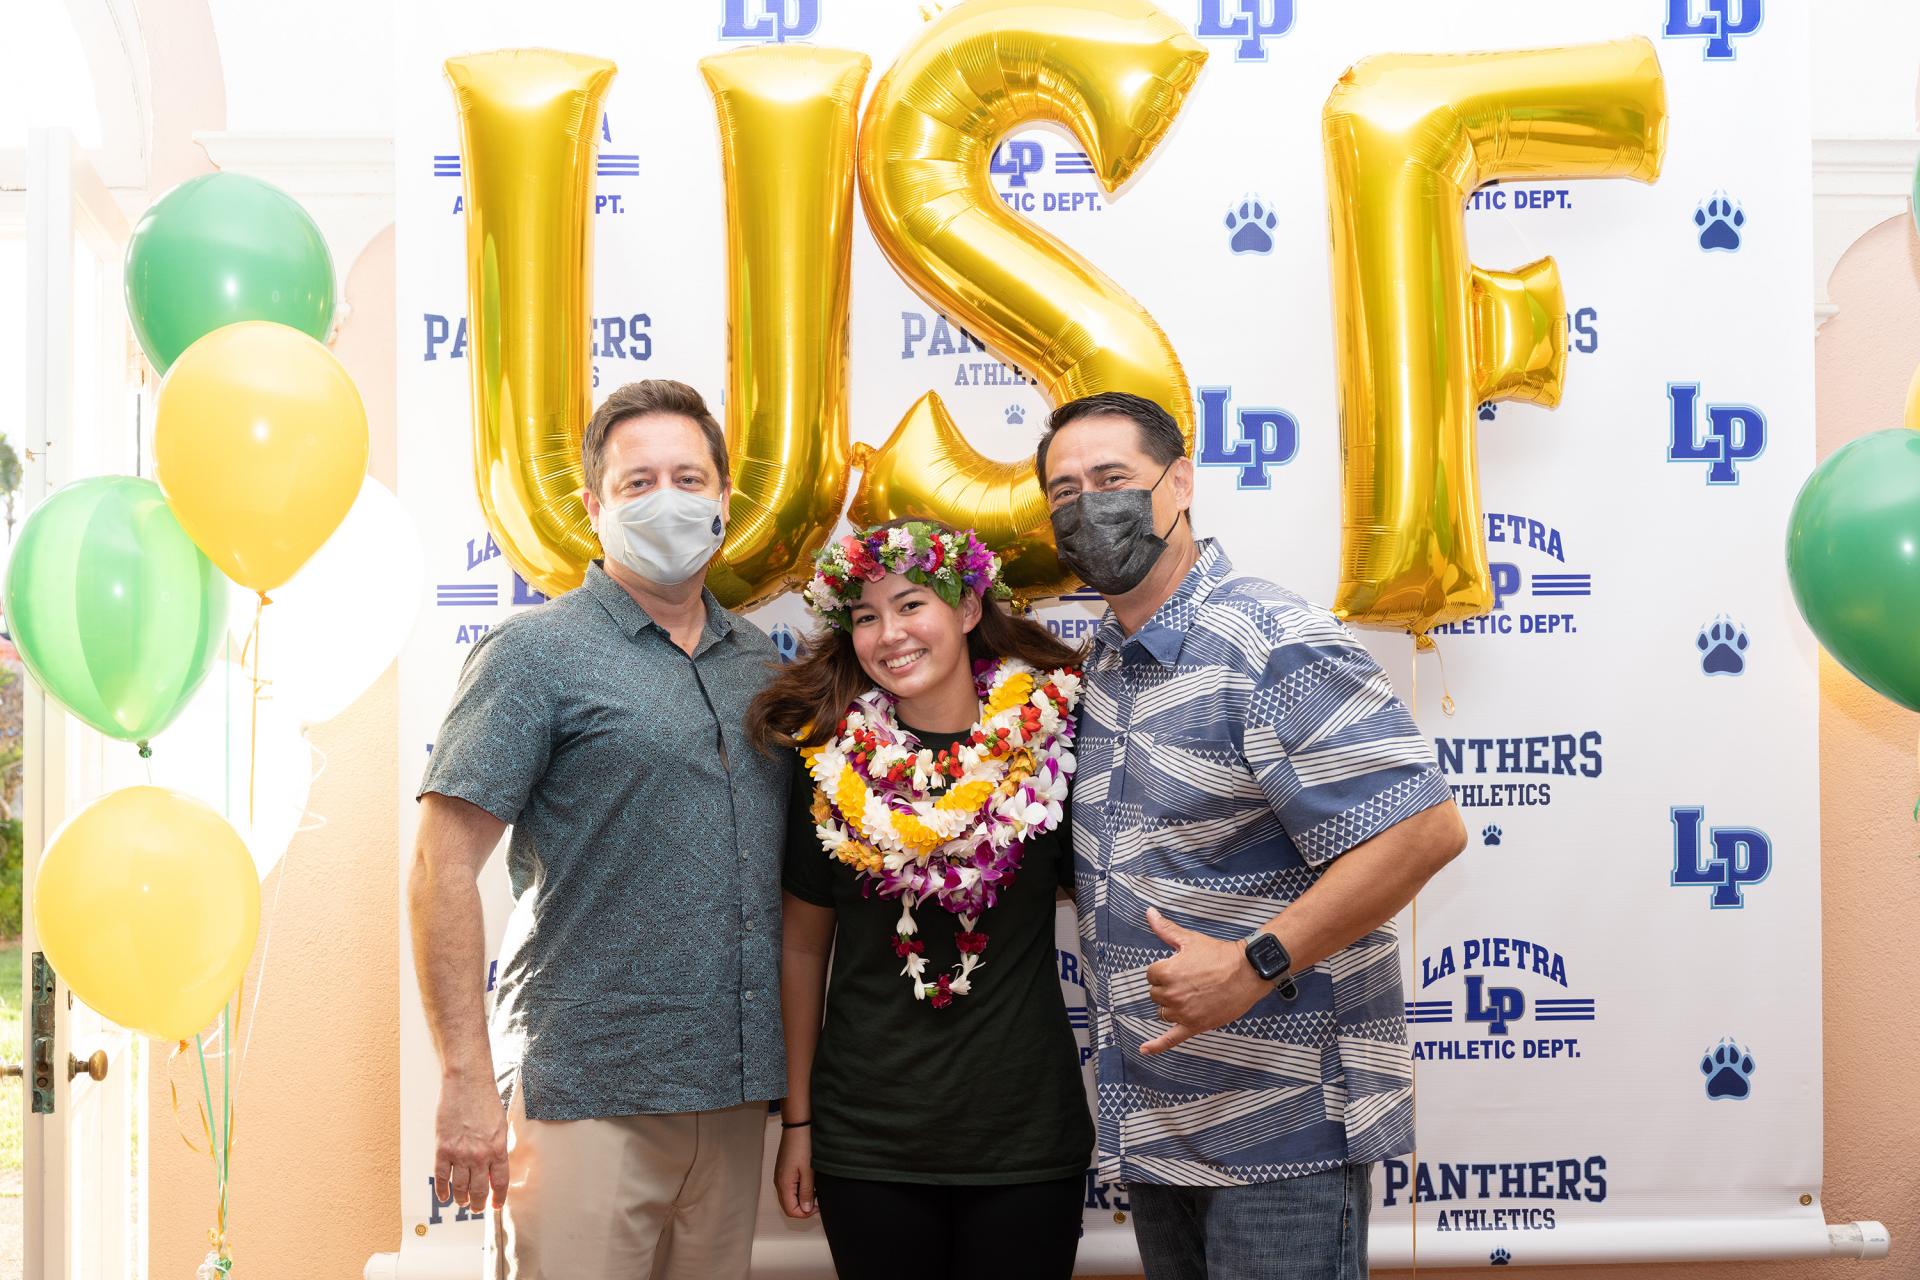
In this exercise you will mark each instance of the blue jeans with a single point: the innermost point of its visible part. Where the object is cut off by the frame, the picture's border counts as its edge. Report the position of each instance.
(1309, 1228)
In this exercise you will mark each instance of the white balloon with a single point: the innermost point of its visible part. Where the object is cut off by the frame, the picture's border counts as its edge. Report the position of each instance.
(337, 625)
(209, 751)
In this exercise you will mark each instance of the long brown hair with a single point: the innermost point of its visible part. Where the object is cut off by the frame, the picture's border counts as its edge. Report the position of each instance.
(803, 704)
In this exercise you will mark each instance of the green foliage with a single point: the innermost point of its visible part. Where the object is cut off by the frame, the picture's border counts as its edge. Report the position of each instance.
(12, 1049)
(11, 837)
(10, 475)
(10, 893)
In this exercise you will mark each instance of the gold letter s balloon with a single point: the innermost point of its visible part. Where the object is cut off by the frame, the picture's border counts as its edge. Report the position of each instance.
(786, 145)
(1421, 334)
(527, 123)
(1114, 72)
(147, 903)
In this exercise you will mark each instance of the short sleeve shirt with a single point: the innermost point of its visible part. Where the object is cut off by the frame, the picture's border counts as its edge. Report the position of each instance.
(1230, 750)
(640, 972)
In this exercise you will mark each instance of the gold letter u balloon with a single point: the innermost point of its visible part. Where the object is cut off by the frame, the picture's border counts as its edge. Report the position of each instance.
(1421, 334)
(527, 122)
(786, 117)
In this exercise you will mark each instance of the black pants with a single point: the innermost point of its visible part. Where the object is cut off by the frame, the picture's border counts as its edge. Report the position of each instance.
(891, 1230)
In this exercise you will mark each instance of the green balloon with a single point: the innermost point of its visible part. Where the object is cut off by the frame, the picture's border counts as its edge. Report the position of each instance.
(1853, 557)
(219, 249)
(117, 615)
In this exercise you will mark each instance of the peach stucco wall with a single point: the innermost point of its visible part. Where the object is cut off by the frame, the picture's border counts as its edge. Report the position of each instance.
(188, 92)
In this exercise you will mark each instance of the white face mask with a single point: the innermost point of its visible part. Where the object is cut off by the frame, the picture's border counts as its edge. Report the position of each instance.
(665, 536)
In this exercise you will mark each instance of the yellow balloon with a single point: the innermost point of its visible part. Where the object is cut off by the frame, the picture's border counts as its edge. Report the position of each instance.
(1116, 73)
(147, 903)
(1912, 415)
(528, 123)
(786, 117)
(260, 445)
(1421, 335)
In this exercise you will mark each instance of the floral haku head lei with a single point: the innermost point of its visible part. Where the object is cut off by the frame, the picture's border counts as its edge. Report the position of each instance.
(945, 563)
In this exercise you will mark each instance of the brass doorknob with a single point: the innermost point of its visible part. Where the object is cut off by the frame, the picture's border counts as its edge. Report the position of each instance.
(96, 1066)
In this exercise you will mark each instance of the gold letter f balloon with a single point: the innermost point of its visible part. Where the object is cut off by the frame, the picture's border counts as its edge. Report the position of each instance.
(1422, 335)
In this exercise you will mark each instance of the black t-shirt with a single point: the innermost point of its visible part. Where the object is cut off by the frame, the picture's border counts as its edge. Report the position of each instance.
(984, 1091)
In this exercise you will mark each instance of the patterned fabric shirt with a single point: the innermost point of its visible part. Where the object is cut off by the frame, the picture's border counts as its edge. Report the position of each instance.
(1228, 752)
(640, 973)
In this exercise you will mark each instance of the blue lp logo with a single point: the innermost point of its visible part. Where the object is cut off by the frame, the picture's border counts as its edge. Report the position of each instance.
(775, 20)
(1251, 439)
(1726, 861)
(1251, 22)
(1715, 21)
(1734, 433)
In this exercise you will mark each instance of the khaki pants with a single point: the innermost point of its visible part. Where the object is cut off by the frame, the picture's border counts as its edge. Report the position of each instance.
(630, 1197)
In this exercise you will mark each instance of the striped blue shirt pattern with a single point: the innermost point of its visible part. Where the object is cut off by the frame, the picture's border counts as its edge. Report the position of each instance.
(1229, 751)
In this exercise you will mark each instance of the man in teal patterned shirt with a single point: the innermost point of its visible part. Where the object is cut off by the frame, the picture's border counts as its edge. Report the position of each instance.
(636, 1032)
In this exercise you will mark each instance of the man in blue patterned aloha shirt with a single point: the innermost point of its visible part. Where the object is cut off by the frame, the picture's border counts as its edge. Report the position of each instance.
(1253, 806)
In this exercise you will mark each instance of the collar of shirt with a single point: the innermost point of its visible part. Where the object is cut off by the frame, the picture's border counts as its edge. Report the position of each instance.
(1165, 633)
(632, 619)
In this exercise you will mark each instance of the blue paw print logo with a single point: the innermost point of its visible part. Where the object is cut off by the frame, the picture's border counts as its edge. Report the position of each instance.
(1720, 220)
(1250, 227)
(785, 642)
(1499, 1258)
(1015, 415)
(1728, 1068)
(1487, 411)
(1723, 647)
(1491, 836)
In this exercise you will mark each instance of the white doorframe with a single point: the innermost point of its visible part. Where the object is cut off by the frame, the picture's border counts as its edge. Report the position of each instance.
(84, 1173)
(49, 394)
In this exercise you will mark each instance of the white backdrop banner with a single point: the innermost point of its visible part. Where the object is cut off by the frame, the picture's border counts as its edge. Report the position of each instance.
(1614, 994)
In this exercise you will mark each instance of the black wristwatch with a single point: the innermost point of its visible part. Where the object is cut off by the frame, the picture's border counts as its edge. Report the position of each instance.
(1271, 961)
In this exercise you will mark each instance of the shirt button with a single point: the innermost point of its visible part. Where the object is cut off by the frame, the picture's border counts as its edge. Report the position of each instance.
(749, 995)
(749, 926)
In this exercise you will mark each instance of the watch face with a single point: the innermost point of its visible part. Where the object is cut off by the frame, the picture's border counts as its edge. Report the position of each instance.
(1268, 956)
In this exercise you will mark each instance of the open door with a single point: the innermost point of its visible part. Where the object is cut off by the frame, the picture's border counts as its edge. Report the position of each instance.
(85, 1079)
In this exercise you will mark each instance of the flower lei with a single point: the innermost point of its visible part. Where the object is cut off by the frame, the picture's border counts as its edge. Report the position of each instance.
(946, 563)
(948, 826)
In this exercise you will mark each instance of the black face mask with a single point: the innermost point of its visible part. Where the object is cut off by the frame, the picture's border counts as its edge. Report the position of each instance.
(1108, 538)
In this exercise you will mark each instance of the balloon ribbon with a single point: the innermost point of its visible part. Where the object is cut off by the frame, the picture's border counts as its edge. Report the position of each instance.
(1424, 643)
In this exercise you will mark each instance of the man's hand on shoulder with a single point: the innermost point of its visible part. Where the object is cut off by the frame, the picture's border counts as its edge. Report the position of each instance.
(470, 1134)
(1206, 983)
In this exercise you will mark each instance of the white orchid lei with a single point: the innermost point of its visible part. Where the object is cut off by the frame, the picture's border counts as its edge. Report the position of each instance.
(947, 827)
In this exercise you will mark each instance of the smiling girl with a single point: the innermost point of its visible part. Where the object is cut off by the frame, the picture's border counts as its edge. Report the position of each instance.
(935, 1116)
